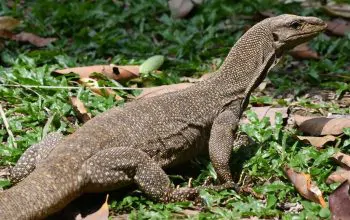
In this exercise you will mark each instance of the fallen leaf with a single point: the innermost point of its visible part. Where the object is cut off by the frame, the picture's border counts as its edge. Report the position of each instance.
(151, 64)
(262, 86)
(302, 182)
(8, 23)
(101, 214)
(189, 79)
(185, 213)
(266, 111)
(111, 71)
(303, 51)
(342, 159)
(206, 76)
(338, 27)
(267, 13)
(194, 80)
(250, 190)
(339, 202)
(181, 8)
(33, 39)
(338, 116)
(316, 126)
(79, 109)
(4, 172)
(340, 175)
(189, 212)
(295, 207)
(317, 141)
(6, 34)
(92, 84)
(160, 90)
(341, 10)
(121, 217)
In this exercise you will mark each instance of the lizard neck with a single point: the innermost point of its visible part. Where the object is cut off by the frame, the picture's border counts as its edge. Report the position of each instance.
(247, 63)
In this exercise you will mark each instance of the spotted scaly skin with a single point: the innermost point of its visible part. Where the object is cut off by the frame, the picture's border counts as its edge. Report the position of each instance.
(133, 144)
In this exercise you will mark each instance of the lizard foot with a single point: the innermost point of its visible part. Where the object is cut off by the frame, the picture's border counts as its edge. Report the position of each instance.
(181, 194)
(242, 140)
(114, 168)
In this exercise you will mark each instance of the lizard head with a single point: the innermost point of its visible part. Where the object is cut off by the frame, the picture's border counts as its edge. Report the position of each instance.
(289, 31)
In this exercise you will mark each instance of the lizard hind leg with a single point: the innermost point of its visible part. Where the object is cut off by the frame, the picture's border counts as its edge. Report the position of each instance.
(117, 167)
(33, 155)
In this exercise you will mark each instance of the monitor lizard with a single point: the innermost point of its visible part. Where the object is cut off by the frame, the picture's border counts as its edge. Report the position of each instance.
(135, 143)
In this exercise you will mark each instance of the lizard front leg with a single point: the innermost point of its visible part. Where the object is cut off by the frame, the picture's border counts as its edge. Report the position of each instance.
(117, 167)
(33, 155)
(222, 139)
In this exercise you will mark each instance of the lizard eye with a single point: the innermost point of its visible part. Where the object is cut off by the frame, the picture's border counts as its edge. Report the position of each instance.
(295, 25)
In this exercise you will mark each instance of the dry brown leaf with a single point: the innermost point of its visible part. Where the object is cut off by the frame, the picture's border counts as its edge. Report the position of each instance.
(249, 190)
(33, 39)
(4, 172)
(181, 8)
(6, 34)
(190, 212)
(111, 71)
(303, 51)
(262, 86)
(120, 217)
(8, 23)
(185, 212)
(317, 141)
(340, 175)
(206, 76)
(303, 183)
(190, 79)
(267, 111)
(267, 13)
(338, 27)
(341, 10)
(342, 159)
(101, 214)
(339, 202)
(93, 86)
(79, 108)
(159, 90)
(321, 125)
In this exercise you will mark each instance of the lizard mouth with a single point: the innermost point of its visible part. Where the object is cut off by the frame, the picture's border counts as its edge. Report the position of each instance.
(305, 35)
(309, 34)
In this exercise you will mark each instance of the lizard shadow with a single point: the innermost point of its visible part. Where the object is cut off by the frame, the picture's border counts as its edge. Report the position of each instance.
(90, 203)
(239, 157)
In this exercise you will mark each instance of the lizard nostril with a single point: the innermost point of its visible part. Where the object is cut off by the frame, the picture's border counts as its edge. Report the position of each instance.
(275, 36)
(318, 21)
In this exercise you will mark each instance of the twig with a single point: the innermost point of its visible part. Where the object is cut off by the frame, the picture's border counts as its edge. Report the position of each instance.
(70, 87)
(19, 85)
(336, 75)
(47, 125)
(2, 113)
(189, 184)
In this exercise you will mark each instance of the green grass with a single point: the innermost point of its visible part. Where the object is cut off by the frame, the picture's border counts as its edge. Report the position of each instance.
(128, 32)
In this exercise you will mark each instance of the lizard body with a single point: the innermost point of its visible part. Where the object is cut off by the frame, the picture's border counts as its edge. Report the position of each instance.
(133, 144)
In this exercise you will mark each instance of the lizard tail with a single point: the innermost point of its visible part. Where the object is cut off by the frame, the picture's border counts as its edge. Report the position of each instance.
(38, 196)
